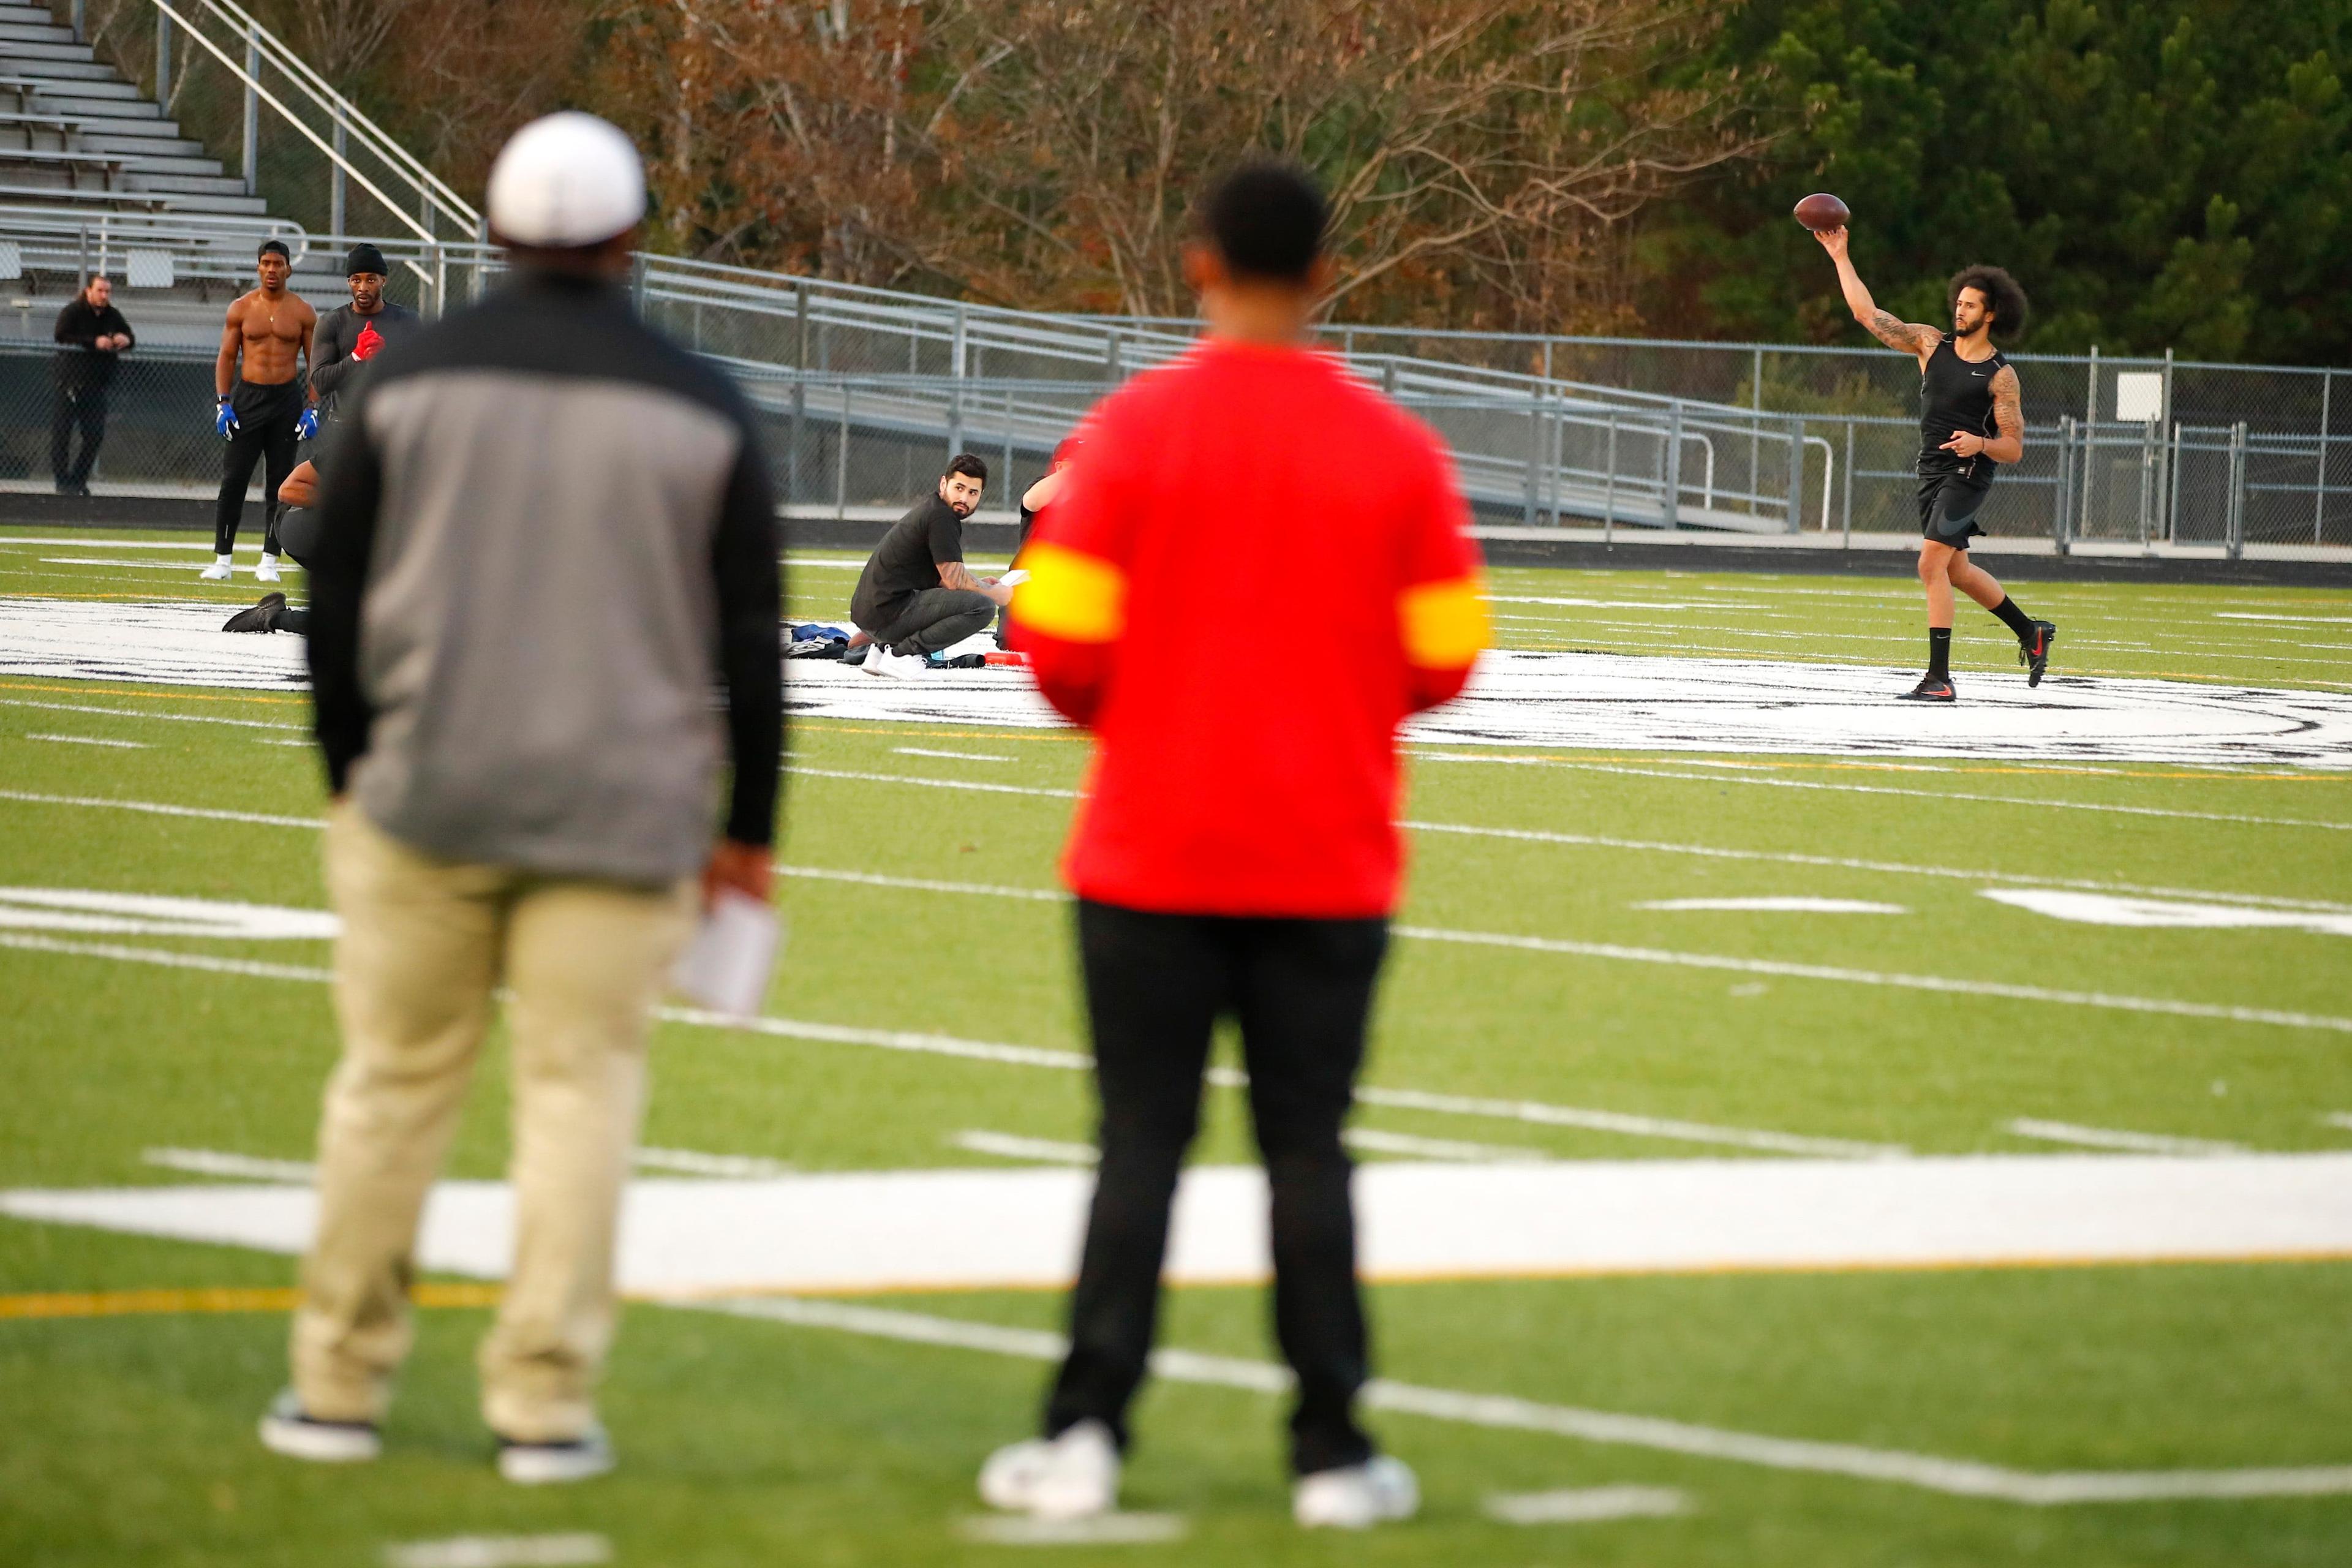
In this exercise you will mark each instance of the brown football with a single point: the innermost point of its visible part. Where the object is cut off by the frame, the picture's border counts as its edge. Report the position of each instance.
(1822, 210)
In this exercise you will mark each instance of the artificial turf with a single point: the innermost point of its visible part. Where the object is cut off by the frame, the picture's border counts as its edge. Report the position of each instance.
(128, 1438)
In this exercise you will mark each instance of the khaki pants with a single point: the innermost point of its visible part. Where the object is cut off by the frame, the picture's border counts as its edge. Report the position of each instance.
(426, 943)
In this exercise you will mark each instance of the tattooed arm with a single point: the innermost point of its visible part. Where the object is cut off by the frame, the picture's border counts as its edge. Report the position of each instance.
(2008, 416)
(1909, 336)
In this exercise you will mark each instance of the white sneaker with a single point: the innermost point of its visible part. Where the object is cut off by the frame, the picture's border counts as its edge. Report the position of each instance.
(545, 1464)
(284, 1430)
(1378, 1491)
(1074, 1476)
(268, 571)
(880, 660)
(218, 570)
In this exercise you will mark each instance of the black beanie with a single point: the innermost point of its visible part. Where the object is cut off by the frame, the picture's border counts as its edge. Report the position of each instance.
(366, 258)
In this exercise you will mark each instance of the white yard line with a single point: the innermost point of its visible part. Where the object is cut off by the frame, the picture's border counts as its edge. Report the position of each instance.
(133, 713)
(248, 1167)
(1010, 1146)
(215, 1162)
(1585, 1505)
(156, 808)
(1949, 985)
(1532, 1112)
(91, 741)
(951, 756)
(1537, 1113)
(924, 884)
(2083, 1137)
(1404, 1145)
(1523, 835)
(930, 784)
(1729, 777)
(1849, 863)
(1101, 1530)
(2339, 1119)
(570, 1549)
(691, 1162)
(1957, 1478)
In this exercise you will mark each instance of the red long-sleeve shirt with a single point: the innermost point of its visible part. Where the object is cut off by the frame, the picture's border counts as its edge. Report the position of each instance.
(1256, 568)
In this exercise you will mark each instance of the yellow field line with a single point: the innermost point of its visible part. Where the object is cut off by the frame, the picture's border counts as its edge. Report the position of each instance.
(221, 1299)
(83, 1304)
(85, 690)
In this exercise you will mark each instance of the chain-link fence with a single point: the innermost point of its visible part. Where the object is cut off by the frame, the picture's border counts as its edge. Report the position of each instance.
(866, 390)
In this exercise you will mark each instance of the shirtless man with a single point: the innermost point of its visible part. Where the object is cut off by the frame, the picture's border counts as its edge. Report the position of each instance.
(262, 405)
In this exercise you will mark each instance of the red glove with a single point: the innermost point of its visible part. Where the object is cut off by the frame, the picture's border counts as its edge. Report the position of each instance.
(369, 341)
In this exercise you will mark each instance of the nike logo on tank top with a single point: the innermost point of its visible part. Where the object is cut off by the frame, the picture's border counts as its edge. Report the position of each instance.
(1955, 395)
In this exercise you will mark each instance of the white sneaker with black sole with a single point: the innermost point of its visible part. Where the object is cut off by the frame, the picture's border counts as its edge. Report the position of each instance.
(284, 1430)
(218, 572)
(551, 1464)
(880, 660)
(1074, 1476)
(1381, 1490)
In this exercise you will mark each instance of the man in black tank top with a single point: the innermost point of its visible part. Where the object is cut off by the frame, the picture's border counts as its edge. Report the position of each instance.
(1971, 419)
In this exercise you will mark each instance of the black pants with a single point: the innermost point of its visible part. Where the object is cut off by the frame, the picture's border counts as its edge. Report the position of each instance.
(265, 435)
(1004, 615)
(933, 619)
(1302, 991)
(81, 408)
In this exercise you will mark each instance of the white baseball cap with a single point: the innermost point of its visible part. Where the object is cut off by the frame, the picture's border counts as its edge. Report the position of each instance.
(566, 179)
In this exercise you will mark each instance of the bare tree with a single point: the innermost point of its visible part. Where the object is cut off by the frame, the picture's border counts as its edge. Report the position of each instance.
(1478, 151)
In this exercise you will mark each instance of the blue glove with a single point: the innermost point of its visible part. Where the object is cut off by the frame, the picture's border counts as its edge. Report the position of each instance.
(224, 418)
(307, 427)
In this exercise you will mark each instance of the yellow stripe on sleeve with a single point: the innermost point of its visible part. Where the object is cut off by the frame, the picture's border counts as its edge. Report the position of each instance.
(1446, 624)
(1071, 595)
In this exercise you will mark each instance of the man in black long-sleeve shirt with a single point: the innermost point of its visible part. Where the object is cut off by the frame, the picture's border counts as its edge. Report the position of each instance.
(350, 336)
(91, 335)
(546, 536)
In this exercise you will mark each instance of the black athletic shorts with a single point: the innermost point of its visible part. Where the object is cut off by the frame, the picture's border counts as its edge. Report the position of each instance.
(1948, 503)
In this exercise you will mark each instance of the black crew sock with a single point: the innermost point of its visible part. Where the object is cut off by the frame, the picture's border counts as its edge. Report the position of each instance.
(1940, 653)
(2017, 620)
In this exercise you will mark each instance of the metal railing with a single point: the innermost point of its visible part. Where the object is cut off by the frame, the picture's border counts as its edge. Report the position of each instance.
(864, 390)
(317, 157)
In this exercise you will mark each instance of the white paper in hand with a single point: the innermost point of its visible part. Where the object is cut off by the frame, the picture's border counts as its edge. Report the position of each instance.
(1014, 578)
(727, 964)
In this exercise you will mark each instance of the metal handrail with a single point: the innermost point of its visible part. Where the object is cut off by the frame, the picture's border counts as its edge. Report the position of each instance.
(333, 104)
(253, 86)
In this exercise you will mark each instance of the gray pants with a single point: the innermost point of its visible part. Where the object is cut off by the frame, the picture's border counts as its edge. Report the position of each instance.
(933, 619)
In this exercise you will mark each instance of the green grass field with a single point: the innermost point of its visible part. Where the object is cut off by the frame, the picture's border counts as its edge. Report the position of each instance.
(127, 1436)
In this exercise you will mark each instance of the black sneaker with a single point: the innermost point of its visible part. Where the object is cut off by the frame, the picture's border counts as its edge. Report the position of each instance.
(550, 1464)
(286, 1429)
(2033, 652)
(1931, 688)
(260, 617)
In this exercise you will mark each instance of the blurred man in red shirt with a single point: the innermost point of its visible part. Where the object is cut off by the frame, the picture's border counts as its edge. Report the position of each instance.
(1237, 853)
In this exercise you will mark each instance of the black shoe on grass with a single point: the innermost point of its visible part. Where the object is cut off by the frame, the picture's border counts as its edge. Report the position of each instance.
(261, 617)
(1931, 688)
(2034, 652)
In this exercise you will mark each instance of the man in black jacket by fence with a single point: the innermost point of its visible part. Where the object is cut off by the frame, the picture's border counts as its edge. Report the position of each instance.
(91, 335)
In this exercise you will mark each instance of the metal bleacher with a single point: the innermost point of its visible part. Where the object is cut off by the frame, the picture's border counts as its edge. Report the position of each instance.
(90, 139)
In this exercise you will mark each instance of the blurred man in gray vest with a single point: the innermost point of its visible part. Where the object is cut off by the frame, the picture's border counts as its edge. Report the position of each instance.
(546, 536)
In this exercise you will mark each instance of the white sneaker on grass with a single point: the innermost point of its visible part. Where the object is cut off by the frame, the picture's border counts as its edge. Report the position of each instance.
(1381, 1490)
(547, 1464)
(268, 571)
(1074, 1476)
(284, 1430)
(218, 570)
(880, 660)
